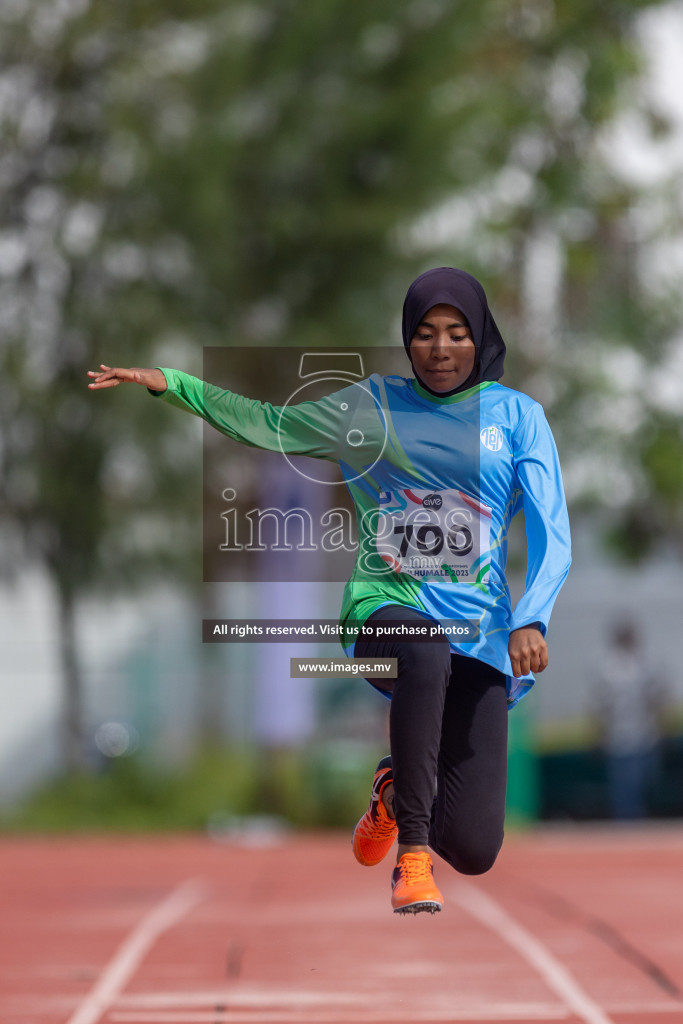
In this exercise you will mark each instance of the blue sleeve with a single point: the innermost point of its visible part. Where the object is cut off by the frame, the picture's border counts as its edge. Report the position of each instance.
(547, 524)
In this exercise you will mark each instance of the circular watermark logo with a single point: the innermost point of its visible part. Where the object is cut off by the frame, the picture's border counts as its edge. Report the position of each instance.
(349, 436)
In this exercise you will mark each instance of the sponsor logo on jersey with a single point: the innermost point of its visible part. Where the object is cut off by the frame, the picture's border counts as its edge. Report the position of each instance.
(492, 438)
(432, 501)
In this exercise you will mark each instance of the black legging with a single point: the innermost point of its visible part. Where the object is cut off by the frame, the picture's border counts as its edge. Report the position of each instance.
(448, 722)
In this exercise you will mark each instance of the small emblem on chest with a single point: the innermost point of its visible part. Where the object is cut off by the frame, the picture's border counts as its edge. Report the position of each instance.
(492, 438)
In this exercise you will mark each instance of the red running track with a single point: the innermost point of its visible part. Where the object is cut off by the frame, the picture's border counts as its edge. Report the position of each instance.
(576, 925)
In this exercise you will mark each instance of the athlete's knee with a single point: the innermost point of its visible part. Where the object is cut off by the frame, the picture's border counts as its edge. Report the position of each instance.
(472, 855)
(475, 862)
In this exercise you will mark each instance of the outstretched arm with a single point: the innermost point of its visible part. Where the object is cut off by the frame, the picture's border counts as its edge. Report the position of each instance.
(315, 428)
(111, 377)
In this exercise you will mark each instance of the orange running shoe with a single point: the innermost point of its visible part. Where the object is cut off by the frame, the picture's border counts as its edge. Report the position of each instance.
(412, 885)
(374, 834)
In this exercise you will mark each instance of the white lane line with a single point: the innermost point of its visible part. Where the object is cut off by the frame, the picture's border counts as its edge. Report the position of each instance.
(526, 945)
(404, 1016)
(130, 954)
(520, 1014)
(299, 1006)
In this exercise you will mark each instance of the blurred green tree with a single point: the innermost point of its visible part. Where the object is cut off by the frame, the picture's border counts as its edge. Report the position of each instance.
(198, 173)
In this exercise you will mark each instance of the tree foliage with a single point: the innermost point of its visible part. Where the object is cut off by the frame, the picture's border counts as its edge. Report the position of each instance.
(191, 173)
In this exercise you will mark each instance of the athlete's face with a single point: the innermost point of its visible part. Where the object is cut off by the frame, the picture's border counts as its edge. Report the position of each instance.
(442, 349)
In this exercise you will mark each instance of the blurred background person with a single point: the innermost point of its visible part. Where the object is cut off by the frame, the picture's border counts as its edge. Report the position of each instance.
(629, 711)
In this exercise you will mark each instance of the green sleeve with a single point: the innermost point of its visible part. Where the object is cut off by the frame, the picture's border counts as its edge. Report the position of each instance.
(311, 428)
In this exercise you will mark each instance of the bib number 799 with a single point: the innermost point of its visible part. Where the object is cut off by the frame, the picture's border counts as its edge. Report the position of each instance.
(434, 535)
(429, 538)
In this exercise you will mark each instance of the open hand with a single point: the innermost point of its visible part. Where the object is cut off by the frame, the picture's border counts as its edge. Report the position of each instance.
(112, 376)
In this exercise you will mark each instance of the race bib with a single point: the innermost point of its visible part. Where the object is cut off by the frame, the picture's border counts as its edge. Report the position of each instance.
(438, 535)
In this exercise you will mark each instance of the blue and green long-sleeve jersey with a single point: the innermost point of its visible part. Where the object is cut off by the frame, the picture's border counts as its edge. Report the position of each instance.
(435, 483)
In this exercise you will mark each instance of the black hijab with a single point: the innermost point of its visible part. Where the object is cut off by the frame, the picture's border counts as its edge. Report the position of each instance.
(457, 288)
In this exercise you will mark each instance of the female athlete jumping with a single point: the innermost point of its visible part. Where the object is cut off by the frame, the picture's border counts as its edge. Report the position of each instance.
(448, 457)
